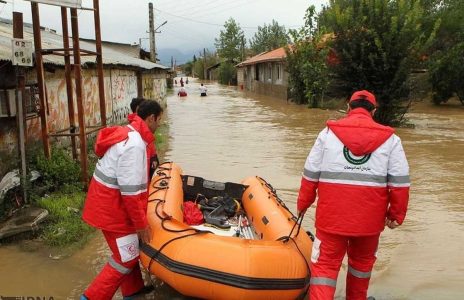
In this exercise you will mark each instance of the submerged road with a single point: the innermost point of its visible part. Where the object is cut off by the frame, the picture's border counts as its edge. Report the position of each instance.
(230, 135)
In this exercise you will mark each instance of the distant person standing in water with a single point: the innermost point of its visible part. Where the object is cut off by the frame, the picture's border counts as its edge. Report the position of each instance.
(203, 90)
(182, 92)
(181, 81)
(187, 80)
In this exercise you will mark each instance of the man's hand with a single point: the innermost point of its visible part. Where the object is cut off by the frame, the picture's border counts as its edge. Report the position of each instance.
(392, 224)
(144, 234)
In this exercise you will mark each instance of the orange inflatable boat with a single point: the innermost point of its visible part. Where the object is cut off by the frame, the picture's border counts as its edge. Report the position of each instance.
(265, 259)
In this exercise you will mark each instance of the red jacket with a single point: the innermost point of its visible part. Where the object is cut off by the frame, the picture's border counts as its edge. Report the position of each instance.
(359, 170)
(117, 196)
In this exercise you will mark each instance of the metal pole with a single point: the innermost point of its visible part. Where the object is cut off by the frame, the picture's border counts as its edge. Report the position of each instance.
(20, 105)
(80, 104)
(67, 72)
(101, 80)
(151, 20)
(40, 76)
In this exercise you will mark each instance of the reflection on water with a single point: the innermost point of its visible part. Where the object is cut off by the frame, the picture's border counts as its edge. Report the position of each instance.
(230, 135)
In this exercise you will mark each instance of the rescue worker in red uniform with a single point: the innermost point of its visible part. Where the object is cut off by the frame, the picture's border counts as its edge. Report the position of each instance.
(360, 173)
(117, 201)
(152, 156)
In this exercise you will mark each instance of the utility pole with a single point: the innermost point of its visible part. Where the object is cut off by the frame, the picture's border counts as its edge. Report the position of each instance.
(204, 63)
(243, 48)
(151, 20)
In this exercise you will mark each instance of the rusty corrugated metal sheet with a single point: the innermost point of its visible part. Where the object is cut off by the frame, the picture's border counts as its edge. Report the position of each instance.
(52, 40)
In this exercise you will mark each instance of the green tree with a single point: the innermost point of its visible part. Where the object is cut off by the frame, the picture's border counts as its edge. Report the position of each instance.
(306, 63)
(229, 47)
(269, 37)
(446, 64)
(227, 73)
(229, 43)
(377, 43)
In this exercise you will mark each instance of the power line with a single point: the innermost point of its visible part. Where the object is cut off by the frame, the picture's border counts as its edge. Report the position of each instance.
(206, 9)
(201, 22)
(225, 8)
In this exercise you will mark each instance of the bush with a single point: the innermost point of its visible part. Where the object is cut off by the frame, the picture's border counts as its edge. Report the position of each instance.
(227, 73)
(59, 170)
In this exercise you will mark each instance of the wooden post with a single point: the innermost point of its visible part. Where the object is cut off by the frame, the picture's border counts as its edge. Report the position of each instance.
(40, 76)
(80, 103)
(67, 72)
(101, 80)
(139, 85)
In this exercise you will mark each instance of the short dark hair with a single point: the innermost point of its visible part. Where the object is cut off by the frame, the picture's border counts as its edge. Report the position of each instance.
(148, 108)
(363, 104)
(135, 103)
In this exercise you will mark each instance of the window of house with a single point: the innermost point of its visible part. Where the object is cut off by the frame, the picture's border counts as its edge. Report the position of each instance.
(261, 73)
(8, 102)
(269, 72)
(31, 97)
(279, 72)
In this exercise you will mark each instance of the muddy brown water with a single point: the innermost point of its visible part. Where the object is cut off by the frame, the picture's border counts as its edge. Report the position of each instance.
(230, 135)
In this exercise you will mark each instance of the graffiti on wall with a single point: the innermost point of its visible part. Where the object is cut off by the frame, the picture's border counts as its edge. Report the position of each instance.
(123, 89)
(154, 88)
(57, 104)
(120, 88)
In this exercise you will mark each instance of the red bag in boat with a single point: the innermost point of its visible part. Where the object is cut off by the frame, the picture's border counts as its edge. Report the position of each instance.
(192, 214)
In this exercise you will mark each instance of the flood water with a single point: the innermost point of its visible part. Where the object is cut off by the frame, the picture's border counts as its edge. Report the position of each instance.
(230, 135)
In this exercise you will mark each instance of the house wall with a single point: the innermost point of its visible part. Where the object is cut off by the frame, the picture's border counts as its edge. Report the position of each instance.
(120, 88)
(263, 79)
(154, 86)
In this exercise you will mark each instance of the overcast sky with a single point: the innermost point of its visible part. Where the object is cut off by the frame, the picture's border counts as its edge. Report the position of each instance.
(191, 25)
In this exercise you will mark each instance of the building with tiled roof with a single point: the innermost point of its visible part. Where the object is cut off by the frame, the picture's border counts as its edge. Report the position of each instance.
(265, 74)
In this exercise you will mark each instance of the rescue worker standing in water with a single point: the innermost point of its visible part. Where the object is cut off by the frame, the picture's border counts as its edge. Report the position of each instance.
(361, 175)
(117, 201)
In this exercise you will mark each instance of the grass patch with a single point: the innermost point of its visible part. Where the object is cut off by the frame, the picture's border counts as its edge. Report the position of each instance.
(65, 225)
(161, 135)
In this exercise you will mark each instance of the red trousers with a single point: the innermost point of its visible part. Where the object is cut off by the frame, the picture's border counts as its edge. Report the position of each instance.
(327, 256)
(122, 269)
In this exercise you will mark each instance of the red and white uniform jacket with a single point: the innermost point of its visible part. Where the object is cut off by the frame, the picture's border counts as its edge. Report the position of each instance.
(117, 196)
(361, 175)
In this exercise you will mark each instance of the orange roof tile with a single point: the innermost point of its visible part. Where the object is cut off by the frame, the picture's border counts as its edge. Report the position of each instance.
(273, 55)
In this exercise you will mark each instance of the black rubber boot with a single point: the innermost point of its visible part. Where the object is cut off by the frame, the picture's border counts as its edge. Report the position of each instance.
(145, 290)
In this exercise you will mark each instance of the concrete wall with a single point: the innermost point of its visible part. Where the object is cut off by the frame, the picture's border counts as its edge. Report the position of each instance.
(120, 88)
